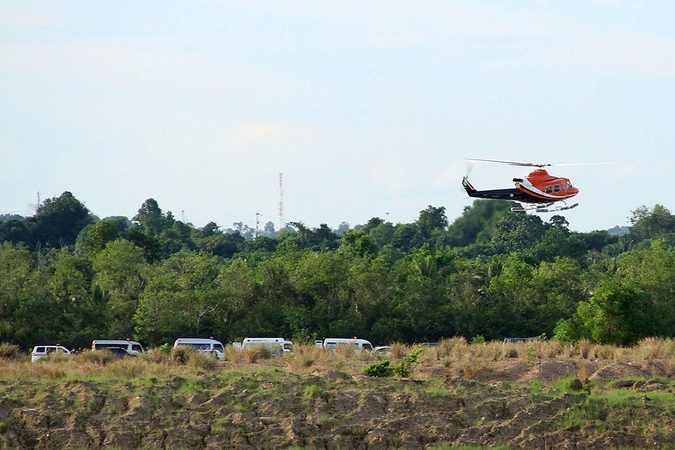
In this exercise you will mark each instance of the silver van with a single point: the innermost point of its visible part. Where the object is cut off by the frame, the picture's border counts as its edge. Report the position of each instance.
(41, 351)
(335, 344)
(278, 346)
(132, 348)
(211, 347)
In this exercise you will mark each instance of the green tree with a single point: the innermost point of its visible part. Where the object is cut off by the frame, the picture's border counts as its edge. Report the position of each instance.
(478, 222)
(431, 219)
(151, 218)
(59, 220)
(121, 271)
(517, 232)
(652, 270)
(181, 298)
(616, 314)
(652, 223)
(149, 245)
(15, 231)
(382, 234)
(559, 242)
(176, 237)
(406, 237)
(19, 283)
(422, 306)
(360, 243)
(93, 238)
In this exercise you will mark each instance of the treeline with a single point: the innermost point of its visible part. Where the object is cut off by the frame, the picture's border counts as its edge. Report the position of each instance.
(67, 277)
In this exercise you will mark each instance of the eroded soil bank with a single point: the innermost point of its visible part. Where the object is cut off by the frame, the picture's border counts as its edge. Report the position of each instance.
(520, 406)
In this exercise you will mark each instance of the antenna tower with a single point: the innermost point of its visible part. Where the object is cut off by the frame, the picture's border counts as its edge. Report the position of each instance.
(281, 200)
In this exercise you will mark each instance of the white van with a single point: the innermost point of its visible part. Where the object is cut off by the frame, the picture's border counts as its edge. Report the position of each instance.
(211, 347)
(334, 344)
(41, 351)
(278, 346)
(132, 348)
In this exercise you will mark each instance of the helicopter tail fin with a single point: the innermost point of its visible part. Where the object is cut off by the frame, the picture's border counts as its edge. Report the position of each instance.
(468, 187)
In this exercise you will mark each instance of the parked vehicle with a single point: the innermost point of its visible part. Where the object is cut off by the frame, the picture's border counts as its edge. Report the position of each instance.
(278, 346)
(42, 351)
(516, 340)
(120, 352)
(211, 347)
(133, 348)
(383, 350)
(336, 344)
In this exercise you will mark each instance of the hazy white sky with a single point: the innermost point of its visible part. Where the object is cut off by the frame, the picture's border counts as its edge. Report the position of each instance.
(367, 108)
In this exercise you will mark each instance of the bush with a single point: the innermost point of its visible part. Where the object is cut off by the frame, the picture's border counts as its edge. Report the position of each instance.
(155, 356)
(182, 354)
(9, 351)
(205, 362)
(257, 352)
(381, 369)
(478, 339)
(572, 384)
(166, 348)
(409, 362)
(101, 357)
(384, 368)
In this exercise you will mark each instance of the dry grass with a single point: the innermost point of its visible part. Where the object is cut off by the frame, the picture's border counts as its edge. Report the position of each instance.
(452, 357)
(652, 348)
(584, 348)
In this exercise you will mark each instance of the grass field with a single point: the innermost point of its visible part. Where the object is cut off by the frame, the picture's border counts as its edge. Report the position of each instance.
(459, 395)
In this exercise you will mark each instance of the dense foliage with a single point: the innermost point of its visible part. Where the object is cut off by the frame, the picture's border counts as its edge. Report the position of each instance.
(67, 277)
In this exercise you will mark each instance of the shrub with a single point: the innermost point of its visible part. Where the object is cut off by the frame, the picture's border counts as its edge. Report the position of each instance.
(584, 347)
(257, 352)
(166, 348)
(155, 356)
(572, 384)
(313, 391)
(199, 360)
(408, 364)
(381, 369)
(478, 339)
(9, 351)
(101, 357)
(182, 354)
(398, 351)
(385, 369)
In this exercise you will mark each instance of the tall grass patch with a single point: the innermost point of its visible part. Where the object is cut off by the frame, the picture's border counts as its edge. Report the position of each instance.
(10, 352)
(256, 353)
(652, 348)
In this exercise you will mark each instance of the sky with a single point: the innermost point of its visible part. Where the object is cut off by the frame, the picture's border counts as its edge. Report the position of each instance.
(368, 109)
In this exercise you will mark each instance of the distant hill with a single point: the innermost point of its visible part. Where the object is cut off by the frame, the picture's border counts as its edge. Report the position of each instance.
(8, 217)
(618, 231)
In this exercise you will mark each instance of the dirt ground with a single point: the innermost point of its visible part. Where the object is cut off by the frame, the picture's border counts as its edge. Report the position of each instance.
(510, 402)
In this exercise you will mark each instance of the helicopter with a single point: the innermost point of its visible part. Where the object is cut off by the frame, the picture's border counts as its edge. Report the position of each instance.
(538, 192)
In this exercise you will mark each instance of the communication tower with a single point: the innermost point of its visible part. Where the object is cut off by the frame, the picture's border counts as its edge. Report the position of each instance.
(281, 200)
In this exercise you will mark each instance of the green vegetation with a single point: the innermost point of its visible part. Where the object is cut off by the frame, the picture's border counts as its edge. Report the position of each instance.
(67, 277)
(383, 369)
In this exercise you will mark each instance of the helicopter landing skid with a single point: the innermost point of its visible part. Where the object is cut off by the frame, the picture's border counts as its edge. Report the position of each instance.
(544, 208)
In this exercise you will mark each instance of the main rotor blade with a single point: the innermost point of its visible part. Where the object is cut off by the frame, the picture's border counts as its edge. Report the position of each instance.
(524, 164)
(512, 163)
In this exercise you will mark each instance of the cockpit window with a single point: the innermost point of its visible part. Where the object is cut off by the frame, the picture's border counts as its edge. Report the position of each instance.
(569, 186)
